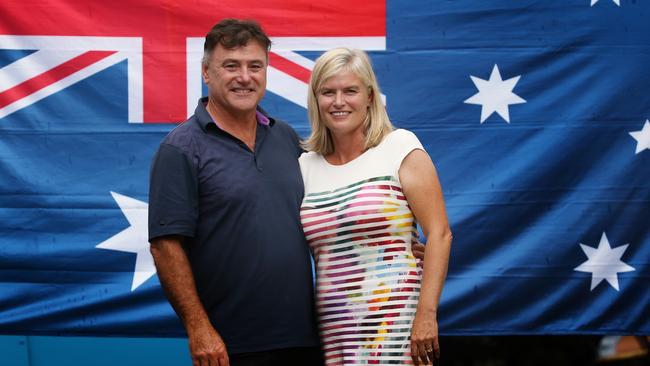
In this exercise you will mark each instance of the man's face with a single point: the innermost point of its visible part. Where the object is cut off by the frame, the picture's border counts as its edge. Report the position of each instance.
(236, 78)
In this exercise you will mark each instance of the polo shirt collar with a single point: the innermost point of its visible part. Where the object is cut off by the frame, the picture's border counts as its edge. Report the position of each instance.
(204, 118)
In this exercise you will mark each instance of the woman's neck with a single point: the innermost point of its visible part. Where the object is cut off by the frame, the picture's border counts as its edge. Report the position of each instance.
(346, 148)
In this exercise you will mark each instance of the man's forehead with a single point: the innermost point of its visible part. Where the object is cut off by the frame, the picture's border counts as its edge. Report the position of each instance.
(250, 51)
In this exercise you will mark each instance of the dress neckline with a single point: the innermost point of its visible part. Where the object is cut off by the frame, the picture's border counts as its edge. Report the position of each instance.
(358, 158)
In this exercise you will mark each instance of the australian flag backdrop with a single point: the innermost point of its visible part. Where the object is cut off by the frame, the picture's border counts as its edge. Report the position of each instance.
(536, 114)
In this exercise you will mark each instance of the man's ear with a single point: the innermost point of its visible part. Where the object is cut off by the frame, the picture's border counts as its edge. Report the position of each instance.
(204, 73)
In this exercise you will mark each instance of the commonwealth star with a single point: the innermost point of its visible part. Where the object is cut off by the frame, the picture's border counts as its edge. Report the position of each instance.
(134, 238)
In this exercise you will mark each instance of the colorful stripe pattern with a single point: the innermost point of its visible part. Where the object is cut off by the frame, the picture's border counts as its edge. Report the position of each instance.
(368, 282)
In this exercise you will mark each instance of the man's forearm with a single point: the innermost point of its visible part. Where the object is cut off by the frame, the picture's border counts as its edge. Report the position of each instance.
(177, 281)
(175, 273)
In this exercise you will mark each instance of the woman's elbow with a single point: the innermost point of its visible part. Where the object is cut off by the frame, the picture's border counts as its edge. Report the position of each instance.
(443, 236)
(447, 236)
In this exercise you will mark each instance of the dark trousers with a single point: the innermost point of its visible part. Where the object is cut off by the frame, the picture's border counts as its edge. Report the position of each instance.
(304, 356)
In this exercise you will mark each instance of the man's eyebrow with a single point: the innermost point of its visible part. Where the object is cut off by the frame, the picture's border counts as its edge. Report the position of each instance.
(238, 61)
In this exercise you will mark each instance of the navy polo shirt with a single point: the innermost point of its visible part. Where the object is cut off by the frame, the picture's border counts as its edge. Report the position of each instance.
(239, 212)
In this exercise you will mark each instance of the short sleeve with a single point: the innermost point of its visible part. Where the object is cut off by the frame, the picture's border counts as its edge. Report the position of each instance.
(401, 144)
(173, 194)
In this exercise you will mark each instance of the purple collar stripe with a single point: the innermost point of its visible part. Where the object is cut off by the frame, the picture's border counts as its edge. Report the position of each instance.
(262, 119)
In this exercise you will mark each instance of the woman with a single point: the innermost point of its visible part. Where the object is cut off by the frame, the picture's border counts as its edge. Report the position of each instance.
(364, 183)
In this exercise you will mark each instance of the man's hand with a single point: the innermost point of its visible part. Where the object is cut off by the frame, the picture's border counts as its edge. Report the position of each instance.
(207, 347)
(417, 248)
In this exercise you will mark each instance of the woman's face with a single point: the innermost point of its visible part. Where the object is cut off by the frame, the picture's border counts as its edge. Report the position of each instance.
(343, 102)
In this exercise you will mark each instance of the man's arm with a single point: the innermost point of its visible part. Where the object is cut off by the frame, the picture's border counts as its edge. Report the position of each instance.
(175, 274)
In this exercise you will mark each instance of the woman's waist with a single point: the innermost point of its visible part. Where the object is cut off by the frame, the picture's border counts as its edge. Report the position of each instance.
(363, 260)
(385, 293)
(389, 279)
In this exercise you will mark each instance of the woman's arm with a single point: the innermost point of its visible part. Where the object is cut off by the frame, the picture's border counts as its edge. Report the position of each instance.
(423, 192)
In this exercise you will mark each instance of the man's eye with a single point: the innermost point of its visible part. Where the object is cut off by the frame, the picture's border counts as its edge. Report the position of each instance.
(230, 67)
(256, 68)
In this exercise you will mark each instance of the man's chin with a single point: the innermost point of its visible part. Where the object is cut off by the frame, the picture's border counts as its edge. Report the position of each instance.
(245, 105)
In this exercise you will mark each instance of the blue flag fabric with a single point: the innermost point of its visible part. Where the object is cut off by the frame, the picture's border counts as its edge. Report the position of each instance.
(536, 115)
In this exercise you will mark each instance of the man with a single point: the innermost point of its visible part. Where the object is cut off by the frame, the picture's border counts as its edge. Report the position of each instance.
(224, 221)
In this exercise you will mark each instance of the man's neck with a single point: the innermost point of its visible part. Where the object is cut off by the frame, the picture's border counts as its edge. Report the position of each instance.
(242, 126)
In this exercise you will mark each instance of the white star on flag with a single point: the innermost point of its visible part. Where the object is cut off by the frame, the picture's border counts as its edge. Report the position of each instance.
(495, 95)
(604, 263)
(642, 137)
(617, 2)
(134, 238)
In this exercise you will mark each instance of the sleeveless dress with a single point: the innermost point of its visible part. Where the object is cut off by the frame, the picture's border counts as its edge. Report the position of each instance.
(359, 227)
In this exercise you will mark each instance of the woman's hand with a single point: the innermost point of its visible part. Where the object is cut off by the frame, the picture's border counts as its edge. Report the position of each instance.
(425, 349)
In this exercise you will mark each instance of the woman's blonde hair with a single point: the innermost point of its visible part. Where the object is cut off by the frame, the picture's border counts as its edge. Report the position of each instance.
(376, 125)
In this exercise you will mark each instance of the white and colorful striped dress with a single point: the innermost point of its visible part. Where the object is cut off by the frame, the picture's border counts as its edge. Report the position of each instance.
(359, 227)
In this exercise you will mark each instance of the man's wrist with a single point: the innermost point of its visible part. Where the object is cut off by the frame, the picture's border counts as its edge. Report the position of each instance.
(198, 321)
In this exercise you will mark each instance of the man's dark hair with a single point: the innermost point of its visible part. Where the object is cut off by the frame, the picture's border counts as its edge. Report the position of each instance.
(231, 33)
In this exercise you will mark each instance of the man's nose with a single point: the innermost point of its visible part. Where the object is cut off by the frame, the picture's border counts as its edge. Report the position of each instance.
(244, 75)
